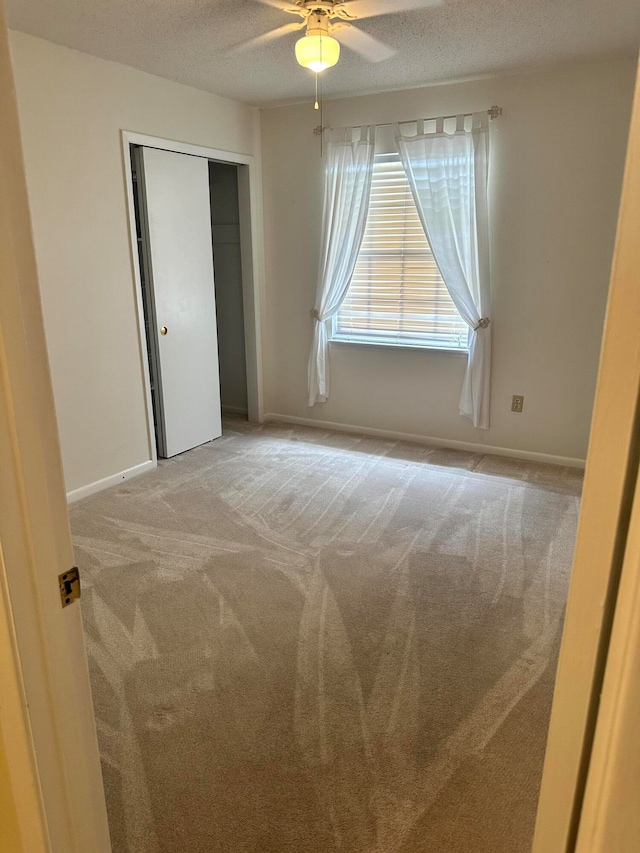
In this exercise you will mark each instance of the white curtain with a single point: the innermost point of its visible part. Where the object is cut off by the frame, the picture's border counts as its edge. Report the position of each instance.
(347, 189)
(448, 177)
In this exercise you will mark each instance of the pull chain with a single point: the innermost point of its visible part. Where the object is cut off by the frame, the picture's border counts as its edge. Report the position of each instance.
(321, 120)
(315, 106)
(318, 102)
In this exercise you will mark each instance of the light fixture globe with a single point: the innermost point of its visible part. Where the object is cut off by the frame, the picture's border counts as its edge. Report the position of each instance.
(317, 52)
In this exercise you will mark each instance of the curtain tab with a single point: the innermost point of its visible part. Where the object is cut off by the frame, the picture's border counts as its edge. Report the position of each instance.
(314, 313)
(368, 133)
(483, 323)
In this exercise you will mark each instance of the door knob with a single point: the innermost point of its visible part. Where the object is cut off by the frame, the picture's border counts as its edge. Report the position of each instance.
(163, 330)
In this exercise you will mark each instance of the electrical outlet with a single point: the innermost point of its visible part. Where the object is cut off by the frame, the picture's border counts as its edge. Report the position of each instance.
(517, 403)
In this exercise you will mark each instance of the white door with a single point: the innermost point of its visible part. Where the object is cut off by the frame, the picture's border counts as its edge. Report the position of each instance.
(49, 760)
(176, 188)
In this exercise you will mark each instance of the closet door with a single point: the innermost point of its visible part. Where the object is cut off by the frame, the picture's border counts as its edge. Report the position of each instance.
(180, 268)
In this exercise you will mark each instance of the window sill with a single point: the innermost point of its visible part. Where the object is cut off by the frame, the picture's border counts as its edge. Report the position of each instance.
(333, 342)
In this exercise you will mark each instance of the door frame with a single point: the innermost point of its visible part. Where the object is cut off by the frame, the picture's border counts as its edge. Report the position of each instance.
(58, 764)
(594, 606)
(251, 255)
(46, 711)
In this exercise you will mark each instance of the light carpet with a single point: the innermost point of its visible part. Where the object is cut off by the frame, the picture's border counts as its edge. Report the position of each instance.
(309, 642)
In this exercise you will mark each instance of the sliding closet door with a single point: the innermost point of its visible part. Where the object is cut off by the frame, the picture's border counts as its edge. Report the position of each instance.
(183, 316)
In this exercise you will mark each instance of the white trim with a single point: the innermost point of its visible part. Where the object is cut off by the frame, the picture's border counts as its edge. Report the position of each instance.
(252, 265)
(512, 453)
(609, 818)
(343, 342)
(133, 138)
(253, 296)
(112, 480)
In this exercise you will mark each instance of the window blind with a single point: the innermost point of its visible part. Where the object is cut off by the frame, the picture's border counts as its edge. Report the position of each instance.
(397, 295)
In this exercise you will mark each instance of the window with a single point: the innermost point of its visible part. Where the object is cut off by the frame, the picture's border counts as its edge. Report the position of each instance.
(397, 295)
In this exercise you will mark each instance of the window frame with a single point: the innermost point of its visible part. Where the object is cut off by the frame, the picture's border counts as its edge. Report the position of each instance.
(404, 345)
(401, 347)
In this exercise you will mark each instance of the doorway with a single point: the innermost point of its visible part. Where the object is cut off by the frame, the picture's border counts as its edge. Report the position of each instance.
(231, 214)
(227, 265)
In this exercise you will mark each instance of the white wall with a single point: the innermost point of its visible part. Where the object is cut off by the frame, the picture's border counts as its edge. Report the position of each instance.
(556, 171)
(72, 109)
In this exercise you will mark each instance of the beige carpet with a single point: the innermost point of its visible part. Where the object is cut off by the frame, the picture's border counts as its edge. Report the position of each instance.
(307, 642)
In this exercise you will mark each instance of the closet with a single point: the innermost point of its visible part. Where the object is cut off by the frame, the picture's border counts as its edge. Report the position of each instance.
(188, 234)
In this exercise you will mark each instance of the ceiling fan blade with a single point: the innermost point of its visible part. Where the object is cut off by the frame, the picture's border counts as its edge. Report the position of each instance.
(265, 38)
(282, 5)
(359, 9)
(362, 43)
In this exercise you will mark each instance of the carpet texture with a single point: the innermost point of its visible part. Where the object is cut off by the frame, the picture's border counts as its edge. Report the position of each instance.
(310, 642)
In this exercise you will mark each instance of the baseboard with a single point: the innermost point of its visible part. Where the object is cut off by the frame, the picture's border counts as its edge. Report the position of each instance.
(529, 455)
(113, 480)
(233, 410)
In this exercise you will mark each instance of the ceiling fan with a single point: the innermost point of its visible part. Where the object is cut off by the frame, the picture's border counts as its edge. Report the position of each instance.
(328, 24)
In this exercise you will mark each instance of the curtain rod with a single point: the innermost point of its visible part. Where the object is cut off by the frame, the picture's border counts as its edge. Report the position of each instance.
(492, 112)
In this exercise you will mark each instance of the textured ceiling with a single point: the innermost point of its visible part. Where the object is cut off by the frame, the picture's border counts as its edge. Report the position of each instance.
(186, 40)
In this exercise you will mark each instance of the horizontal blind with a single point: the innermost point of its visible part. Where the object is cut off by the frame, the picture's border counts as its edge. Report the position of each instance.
(397, 294)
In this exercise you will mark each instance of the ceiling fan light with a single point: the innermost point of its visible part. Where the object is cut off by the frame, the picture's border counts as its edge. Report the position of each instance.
(317, 52)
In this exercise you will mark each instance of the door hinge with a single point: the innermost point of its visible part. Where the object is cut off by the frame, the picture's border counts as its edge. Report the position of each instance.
(69, 586)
